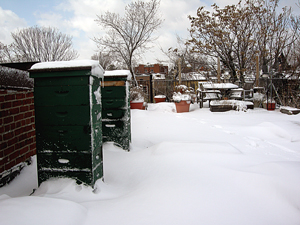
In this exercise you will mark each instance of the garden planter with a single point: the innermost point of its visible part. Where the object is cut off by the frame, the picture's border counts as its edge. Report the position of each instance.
(136, 105)
(159, 98)
(269, 106)
(182, 106)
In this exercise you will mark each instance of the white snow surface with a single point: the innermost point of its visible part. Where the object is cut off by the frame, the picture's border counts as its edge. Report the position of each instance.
(118, 73)
(96, 69)
(190, 168)
(219, 86)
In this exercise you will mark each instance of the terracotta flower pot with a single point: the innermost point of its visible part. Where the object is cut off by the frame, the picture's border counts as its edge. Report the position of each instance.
(182, 106)
(271, 106)
(136, 105)
(158, 99)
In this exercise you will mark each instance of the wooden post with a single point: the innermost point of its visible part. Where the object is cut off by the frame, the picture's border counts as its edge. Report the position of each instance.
(179, 70)
(257, 70)
(219, 70)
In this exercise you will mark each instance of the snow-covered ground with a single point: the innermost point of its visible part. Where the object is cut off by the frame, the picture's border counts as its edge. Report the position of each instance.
(234, 168)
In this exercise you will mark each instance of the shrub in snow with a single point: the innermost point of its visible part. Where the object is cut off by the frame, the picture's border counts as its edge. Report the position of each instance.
(159, 96)
(14, 78)
(177, 97)
(137, 94)
(182, 92)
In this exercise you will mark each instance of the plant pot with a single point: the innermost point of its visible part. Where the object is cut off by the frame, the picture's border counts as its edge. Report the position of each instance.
(136, 105)
(161, 98)
(182, 106)
(269, 106)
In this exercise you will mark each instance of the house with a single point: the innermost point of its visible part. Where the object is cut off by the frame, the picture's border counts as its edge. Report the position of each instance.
(158, 76)
(151, 68)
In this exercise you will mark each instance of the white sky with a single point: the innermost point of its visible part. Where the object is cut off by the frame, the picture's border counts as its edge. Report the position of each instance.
(76, 18)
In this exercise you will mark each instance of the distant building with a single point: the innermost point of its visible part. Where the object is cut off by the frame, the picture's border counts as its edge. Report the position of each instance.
(158, 76)
(194, 76)
(151, 68)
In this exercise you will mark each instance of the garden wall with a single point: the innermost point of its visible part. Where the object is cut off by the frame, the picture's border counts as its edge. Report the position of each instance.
(17, 131)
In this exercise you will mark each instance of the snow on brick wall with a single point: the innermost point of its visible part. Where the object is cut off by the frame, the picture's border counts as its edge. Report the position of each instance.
(17, 131)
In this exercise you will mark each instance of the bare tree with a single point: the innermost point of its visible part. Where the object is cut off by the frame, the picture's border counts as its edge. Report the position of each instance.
(189, 59)
(236, 33)
(226, 33)
(129, 34)
(105, 59)
(276, 33)
(6, 54)
(42, 44)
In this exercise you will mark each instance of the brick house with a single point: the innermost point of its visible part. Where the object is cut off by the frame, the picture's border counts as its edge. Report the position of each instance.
(151, 68)
(17, 121)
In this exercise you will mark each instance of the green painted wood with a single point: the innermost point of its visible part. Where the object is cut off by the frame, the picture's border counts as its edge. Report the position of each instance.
(123, 142)
(67, 115)
(68, 124)
(114, 92)
(64, 161)
(114, 113)
(116, 78)
(68, 138)
(114, 103)
(60, 73)
(71, 165)
(116, 128)
(80, 176)
(66, 81)
(61, 95)
(65, 95)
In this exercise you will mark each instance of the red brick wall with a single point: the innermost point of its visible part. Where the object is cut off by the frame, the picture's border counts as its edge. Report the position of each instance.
(157, 68)
(17, 128)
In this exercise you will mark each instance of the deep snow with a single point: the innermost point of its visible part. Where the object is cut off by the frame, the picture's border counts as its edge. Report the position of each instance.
(191, 168)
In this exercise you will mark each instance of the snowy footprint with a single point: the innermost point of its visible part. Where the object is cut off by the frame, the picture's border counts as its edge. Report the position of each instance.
(225, 131)
(253, 141)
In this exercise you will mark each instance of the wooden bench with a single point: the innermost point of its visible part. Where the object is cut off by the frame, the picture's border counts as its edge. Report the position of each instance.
(289, 110)
(226, 105)
(207, 95)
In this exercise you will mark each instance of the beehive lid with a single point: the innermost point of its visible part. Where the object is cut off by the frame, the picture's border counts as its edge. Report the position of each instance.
(90, 67)
(118, 73)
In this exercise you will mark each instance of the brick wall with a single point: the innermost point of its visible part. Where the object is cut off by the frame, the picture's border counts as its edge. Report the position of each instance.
(17, 131)
(156, 68)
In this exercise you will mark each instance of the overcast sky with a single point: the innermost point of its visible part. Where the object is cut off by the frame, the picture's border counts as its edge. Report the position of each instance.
(77, 18)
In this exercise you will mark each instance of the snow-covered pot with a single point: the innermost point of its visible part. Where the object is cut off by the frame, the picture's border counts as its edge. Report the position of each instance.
(137, 97)
(136, 104)
(183, 106)
(159, 98)
(182, 102)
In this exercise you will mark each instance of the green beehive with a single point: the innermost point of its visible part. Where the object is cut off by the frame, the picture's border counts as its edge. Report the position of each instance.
(116, 108)
(68, 108)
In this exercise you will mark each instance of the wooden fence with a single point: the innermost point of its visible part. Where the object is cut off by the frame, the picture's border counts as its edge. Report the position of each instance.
(164, 87)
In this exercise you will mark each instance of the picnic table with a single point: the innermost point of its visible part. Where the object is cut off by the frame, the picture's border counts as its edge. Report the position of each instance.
(224, 88)
(208, 91)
